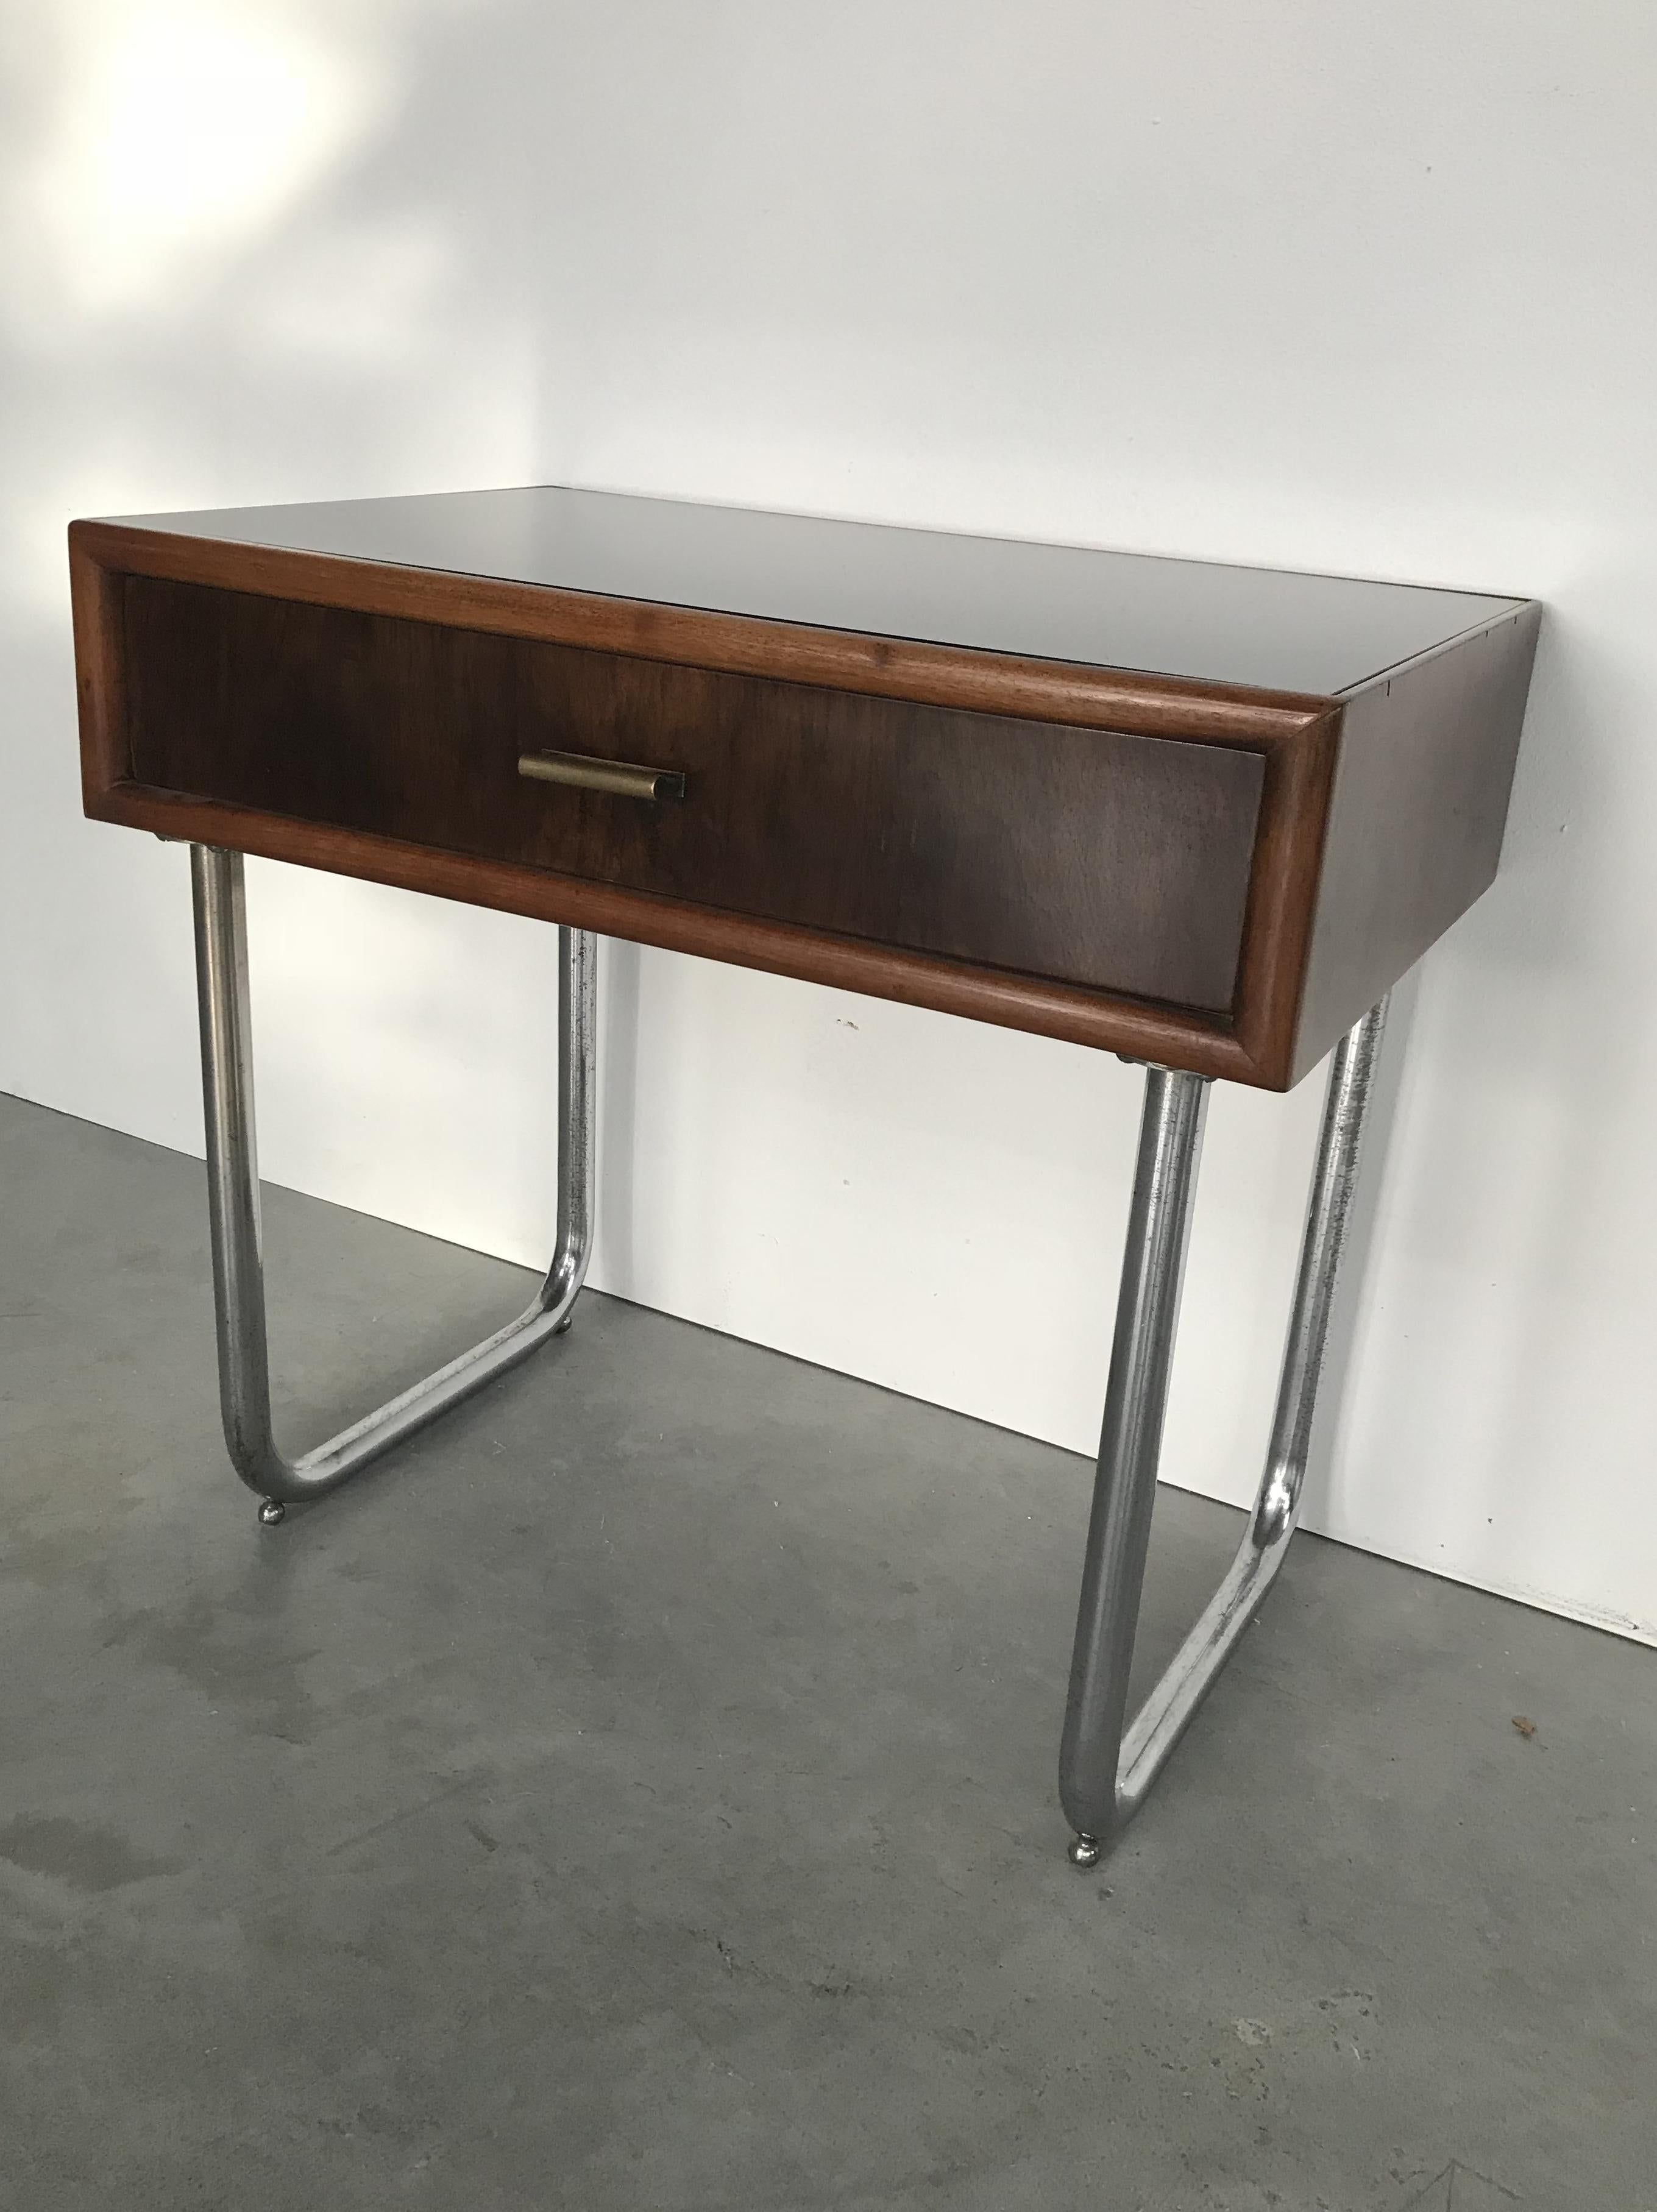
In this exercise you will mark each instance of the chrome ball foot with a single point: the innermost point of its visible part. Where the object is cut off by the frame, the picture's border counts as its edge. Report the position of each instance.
(1086, 1851)
(565, 1326)
(272, 1511)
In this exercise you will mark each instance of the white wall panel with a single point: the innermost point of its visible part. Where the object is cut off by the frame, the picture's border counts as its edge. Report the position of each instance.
(1358, 288)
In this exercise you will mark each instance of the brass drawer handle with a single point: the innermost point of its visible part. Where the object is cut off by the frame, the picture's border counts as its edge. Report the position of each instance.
(584, 773)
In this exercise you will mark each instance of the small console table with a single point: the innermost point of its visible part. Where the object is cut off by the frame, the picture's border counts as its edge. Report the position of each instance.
(1202, 817)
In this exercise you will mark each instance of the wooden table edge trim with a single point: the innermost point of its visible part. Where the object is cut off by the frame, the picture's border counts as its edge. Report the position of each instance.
(95, 605)
(1290, 841)
(968, 678)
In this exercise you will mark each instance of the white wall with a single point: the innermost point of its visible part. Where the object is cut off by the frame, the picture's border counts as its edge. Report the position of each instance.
(1358, 288)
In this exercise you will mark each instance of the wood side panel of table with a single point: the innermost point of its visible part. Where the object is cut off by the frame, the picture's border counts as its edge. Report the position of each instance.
(1414, 824)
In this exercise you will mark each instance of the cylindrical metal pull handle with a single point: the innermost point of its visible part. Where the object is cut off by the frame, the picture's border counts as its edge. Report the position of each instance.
(584, 773)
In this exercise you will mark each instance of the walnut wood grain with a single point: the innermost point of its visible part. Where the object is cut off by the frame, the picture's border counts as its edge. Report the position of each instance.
(98, 606)
(1116, 861)
(1416, 814)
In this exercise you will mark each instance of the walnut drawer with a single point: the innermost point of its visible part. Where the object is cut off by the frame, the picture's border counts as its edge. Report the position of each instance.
(1095, 858)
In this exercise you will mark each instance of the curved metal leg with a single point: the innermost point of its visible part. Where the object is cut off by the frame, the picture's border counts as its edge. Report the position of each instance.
(217, 880)
(1105, 1772)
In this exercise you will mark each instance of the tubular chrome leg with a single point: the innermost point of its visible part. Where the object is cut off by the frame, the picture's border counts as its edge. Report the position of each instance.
(216, 881)
(1105, 1772)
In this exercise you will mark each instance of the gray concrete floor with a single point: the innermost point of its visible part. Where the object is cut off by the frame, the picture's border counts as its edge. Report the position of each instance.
(641, 1794)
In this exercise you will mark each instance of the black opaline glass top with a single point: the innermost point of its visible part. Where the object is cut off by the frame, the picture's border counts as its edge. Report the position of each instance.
(1273, 629)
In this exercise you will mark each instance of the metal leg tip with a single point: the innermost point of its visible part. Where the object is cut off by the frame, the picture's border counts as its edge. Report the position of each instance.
(1085, 1853)
(271, 1511)
(564, 1327)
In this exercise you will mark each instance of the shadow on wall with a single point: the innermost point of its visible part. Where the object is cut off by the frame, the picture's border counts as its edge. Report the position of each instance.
(1363, 1233)
(618, 1091)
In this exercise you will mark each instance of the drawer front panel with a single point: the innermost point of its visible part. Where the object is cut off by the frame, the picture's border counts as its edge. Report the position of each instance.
(1117, 862)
